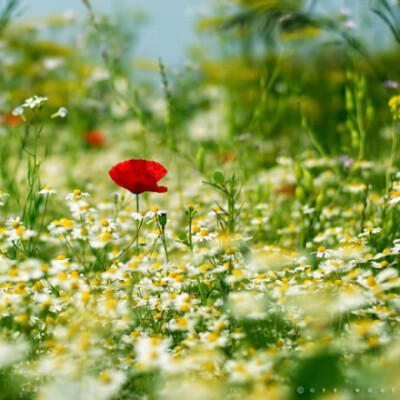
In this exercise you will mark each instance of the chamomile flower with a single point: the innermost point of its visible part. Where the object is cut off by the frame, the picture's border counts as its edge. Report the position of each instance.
(47, 190)
(355, 188)
(155, 212)
(107, 225)
(61, 226)
(153, 352)
(368, 231)
(204, 235)
(76, 195)
(13, 222)
(323, 252)
(394, 198)
(216, 211)
(80, 233)
(20, 233)
(139, 216)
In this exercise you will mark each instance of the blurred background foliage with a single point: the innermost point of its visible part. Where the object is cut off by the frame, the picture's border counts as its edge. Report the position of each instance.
(282, 74)
(292, 58)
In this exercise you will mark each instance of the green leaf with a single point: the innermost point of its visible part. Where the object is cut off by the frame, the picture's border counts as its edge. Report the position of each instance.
(219, 178)
(182, 236)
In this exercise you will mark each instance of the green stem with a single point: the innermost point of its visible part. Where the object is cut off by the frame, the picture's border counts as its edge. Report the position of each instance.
(137, 223)
(190, 235)
(393, 153)
(164, 244)
(41, 224)
(152, 248)
(129, 245)
(361, 128)
(310, 133)
(162, 235)
(203, 300)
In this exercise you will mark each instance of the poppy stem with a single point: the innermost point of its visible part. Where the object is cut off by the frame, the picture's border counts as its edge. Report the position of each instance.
(137, 223)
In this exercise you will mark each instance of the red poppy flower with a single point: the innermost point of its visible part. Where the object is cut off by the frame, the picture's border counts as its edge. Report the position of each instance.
(10, 120)
(139, 176)
(94, 138)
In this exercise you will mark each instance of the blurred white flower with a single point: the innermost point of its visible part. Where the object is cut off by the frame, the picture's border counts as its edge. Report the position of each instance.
(152, 352)
(34, 102)
(12, 353)
(62, 112)
(18, 111)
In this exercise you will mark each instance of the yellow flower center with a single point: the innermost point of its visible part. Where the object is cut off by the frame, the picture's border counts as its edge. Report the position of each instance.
(15, 224)
(204, 232)
(20, 231)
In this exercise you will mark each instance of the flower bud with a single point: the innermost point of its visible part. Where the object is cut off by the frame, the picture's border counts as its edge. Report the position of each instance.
(162, 219)
(297, 171)
(320, 200)
(300, 195)
(308, 180)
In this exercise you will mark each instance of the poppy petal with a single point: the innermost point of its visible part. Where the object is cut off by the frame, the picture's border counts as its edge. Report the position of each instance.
(156, 170)
(122, 175)
(161, 189)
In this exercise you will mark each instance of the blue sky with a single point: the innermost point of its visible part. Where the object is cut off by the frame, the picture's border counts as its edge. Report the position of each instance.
(167, 35)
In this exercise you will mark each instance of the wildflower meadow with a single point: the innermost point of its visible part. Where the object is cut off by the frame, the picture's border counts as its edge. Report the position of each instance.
(224, 227)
